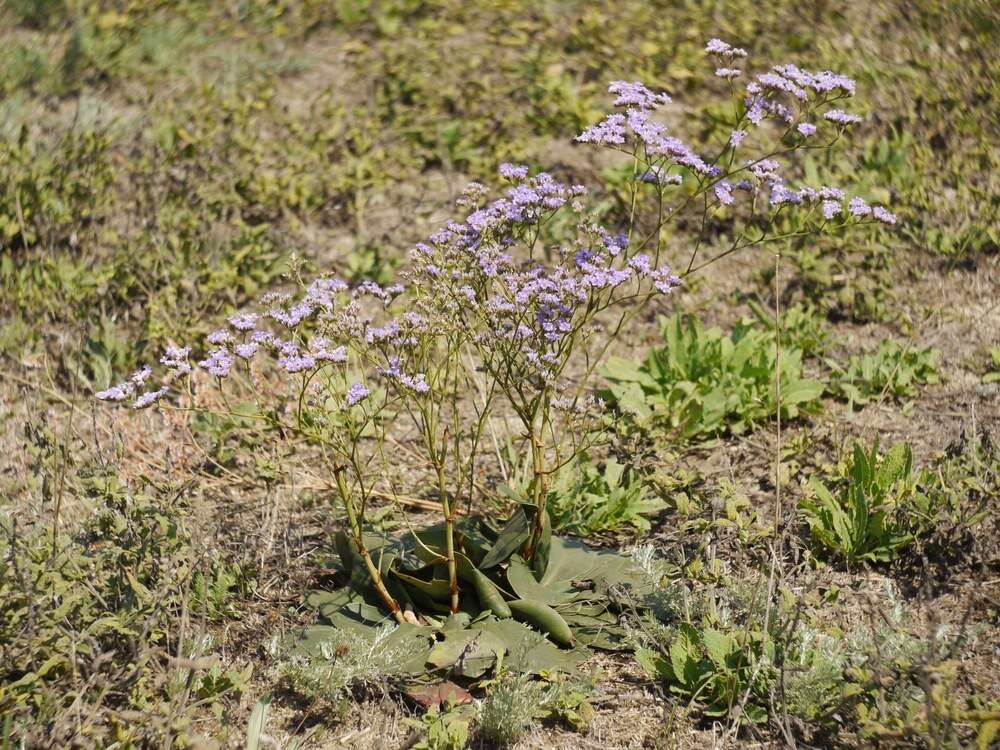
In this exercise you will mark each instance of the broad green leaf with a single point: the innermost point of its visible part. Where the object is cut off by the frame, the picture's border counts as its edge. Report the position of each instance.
(522, 580)
(681, 659)
(718, 645)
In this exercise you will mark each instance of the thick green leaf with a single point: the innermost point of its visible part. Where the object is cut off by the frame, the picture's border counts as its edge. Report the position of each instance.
(530, 652)
(514, 533)
(522, 580)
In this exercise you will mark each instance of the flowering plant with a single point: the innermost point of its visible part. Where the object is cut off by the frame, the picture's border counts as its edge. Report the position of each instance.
(499, 314)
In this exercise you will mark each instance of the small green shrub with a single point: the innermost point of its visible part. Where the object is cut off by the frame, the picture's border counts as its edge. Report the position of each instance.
(703, 383)
(709, 645)
(345, 659)
(871, 512)
(715, 668)
(509, 708)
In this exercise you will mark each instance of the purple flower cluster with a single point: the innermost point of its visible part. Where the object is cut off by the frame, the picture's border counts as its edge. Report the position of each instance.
(126, 388)
(721, 48)
(841, 117)
(415, 383)
(636, 122)
(635, 94)
(219, 362)
(355, 395)
(478, 279)
(520, 312)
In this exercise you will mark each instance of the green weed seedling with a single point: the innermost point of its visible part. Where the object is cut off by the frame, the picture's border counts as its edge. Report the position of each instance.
(586, 498)
(703, 383)
(868, 514)
(446, 729)
(892, 371)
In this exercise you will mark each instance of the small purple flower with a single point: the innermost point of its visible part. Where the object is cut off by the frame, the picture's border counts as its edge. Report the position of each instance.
(737, 137)
(610, 130)
(246, 351)
(263, 337)
(881, 214)
(724, 192)
(319, 349)
(513, 171)
(355, 395)
(719, 47)
(841, 117)
(219, 337)
(765, 169)
(830, 209)
(831, 193)
(858, 207)
(149, 398)
(218, 362)
(664, 280)
(294, 363)
(140, 376)
(728, 73)
(656, 175)
(635, 94)
(244, 321)
(756, 111)
(781, 194)
(640, 264)
(294, 315)
(118, 392)
(807, 129)
(376, 334)
(778, 83)
(175, 358)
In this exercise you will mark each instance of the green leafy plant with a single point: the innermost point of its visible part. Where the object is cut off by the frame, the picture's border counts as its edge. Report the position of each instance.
(867, 515)
(587, 498)
(710, 638)
(715, 669)
(892, 370)
(446, 729)
(802, 327)
(702, 382)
